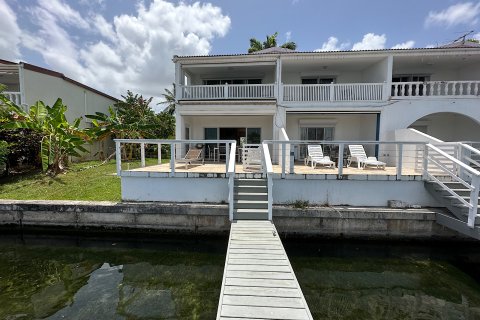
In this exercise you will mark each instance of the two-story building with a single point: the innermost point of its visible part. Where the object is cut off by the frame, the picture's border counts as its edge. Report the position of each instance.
(340, 95)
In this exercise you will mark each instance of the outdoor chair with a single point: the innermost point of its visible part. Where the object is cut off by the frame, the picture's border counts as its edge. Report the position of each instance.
(315, 156)
(358, 155)
(192, 155)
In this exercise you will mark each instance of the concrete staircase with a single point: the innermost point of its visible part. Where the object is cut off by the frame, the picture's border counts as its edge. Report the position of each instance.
(457, 218)
(250, 199)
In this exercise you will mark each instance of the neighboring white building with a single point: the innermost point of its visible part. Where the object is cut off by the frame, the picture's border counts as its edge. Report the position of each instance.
(340, 95)
(27, 84)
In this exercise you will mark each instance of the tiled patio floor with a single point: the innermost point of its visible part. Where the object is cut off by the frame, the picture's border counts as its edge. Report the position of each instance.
(299, 168)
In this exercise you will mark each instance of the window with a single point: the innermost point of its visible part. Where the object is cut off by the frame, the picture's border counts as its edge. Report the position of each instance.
(318, 80)
(253, 135)
(213, 82)
(316, 134)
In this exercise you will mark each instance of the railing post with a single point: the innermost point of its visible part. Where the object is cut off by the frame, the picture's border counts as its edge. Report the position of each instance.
(284, 158)
(159, 153)
(399, 160)
(118, 156)
(474, 194)
(270, 196)
(332, 92)
(227, 156)
(225, 91)
(425, 162)
(341, 148)
(172, 159)
(292, 159)
(231, 181)
(142, 155)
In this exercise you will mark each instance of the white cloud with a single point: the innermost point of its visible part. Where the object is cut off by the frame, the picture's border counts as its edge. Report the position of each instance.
(405, 45)
(476, 36)
(9, 33)
(332, 45)
(461, 13)
(371, 41)
(288, 36)
(136, 49)
(64, 13)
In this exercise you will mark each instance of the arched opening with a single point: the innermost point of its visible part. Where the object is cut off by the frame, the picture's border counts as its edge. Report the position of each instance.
(448, 126)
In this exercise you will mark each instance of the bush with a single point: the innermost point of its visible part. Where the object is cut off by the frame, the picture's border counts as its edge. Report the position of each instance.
(3, 157)
(24, 148)
(300, 204)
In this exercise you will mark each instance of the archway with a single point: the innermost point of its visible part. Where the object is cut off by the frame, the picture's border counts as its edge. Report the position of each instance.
(448, 126)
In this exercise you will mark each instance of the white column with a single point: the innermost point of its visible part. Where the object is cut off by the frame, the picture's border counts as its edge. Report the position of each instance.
(389, 73)
(21, 79)
(179, 131)
(279, 121)
(178, 80)
(278, 80)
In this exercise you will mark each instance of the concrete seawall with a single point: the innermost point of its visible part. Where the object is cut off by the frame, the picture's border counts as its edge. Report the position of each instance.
(371, 222)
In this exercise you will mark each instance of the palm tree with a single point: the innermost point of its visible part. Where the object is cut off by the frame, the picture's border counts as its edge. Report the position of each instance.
(169, 97)
(271, 42)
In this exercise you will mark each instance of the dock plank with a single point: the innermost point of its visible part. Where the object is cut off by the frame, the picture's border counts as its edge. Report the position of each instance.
(258, 281)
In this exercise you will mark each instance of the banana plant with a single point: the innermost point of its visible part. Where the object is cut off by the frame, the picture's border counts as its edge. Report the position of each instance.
(60, 139)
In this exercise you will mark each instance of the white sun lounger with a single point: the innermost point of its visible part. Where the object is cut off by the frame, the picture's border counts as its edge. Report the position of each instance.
(192, 155)
(315, 156)
(358, 155)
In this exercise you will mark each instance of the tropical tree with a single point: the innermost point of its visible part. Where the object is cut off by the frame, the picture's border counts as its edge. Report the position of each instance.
(59, 138)
(169, 100)
(256, 45)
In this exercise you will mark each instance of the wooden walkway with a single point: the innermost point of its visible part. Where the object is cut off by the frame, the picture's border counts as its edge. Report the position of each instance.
(258, 280)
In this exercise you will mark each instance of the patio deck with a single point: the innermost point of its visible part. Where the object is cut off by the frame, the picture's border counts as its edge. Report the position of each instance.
(300, 168)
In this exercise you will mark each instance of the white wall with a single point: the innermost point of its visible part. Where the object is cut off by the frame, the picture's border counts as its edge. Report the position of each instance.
(293, 77)
(197, 124)
(347, 127)
(39, 86)
(351, 193)
(376, 73)
(175, 189)
(401, 114)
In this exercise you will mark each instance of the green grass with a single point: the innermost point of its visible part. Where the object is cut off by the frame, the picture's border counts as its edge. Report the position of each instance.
(82, 181)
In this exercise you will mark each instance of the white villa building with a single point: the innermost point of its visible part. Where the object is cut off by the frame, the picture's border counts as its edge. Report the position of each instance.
(341, 95)
(27, 84)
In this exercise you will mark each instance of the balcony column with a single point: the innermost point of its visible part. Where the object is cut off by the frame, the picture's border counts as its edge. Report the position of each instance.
(278, 81)
(178, 81)
(179, 133)
(21, 79)
(279, 122)
(388, 84)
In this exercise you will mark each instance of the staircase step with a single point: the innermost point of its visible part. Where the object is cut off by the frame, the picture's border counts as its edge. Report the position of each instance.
(250, 214)
(250, 196)
(250, 182)
(250, 204)
(251, 189)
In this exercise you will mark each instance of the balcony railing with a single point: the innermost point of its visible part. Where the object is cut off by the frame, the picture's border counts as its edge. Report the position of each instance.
(228, 91)
(15, 97)
(333, 92)
(435, 89)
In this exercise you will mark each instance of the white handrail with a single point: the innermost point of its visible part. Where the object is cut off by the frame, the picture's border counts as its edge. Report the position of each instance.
(269, 171)
(231, 160)
(435, 88)
(231, 179)
(228, 91)
(333, 92)
(455, 160)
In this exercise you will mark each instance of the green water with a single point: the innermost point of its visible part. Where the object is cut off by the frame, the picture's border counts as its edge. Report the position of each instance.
(55, 278)
(179, 277)
(365, 280)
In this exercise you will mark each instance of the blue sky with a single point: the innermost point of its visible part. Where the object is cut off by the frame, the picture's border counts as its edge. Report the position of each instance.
(115, 45)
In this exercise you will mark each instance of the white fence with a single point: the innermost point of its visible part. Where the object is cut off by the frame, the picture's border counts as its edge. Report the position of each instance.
(228, 91)
(435, 89)
(333, 92)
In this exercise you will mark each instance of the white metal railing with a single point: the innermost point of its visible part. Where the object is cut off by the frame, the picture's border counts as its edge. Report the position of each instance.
(268, 169)
(334, 92)
(468, 177)
(435, 89)
(399, 155)
(228, 91)
(15, 97)
(231, 179)
(181, 145)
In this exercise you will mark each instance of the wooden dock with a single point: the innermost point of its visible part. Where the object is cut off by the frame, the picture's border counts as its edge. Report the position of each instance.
(258, 280)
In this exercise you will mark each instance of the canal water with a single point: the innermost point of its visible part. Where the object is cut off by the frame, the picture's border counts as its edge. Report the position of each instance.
(179, 277)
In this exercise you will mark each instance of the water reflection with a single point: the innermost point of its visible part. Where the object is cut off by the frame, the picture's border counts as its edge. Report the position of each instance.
(173, 279)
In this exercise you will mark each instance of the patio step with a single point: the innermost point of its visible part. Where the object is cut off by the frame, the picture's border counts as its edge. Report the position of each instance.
(250, 182)
(250, 188)
(250, 204)
(258, 196)
(250, 214)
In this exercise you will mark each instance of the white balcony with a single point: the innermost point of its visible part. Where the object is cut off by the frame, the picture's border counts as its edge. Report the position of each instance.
(228, 91)
(15, 97)
(333, 92)
(409, 90)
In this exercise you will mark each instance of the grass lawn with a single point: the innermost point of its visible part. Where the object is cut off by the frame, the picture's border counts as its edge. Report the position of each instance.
(80, 182)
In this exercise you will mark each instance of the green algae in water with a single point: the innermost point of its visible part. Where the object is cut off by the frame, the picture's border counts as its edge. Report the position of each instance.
(38, 282)
(363, 285)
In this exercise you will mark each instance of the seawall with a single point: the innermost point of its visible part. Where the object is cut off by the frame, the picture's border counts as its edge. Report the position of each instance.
(367, 222)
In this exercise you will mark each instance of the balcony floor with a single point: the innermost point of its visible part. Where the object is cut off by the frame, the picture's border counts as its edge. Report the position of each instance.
(300, 168)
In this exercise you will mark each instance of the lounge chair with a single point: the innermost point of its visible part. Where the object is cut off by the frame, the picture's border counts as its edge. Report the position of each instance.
(192, 155)
(315, 156)
(358, 155)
